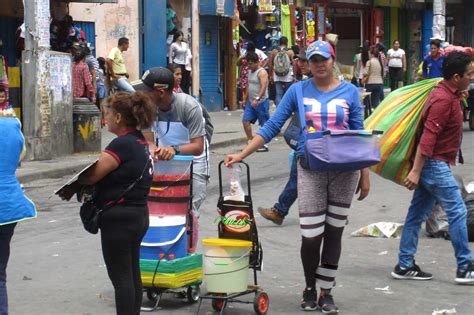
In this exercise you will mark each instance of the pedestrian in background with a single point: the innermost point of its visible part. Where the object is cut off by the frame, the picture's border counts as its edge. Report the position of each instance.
(431, 175)
(373, 77)
(242, 63)
(433, 63)
(281, 68)
(101, 89)
(364, 57)
(4, 103)
(303, 71)
(397, 65)
(178, 76)
(179, 52)
(81, 78)
(324, 198)
(381, 49)
(116, 68)
(93, 66)
(356, 68)
(288, 196)
(14, 205)
(257, 105)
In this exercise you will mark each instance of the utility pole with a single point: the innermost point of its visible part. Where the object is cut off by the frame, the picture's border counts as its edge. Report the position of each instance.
(439, 19)
(195, 48)
(36, 98)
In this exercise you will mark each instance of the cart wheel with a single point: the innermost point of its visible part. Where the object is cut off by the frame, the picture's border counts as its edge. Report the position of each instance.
(193, 293)
(153, 295)
(217, 304)
(471, 119)
(261, 303)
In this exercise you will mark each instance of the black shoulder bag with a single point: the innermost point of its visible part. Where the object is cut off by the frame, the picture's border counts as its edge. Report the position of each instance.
(90, 213)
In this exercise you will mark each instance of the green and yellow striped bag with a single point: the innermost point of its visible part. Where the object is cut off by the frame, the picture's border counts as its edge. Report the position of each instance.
(399, 116)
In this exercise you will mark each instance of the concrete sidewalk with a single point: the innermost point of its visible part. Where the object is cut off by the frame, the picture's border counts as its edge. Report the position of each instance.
(228, 131)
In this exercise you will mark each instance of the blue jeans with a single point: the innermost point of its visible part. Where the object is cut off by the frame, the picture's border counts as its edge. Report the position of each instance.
(124, 86)
(290, 192)
(6, 233)
(280, 89)
(436, 184)
(377, 95)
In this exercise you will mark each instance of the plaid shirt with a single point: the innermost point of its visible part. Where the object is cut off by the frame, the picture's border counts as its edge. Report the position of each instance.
(81, 80)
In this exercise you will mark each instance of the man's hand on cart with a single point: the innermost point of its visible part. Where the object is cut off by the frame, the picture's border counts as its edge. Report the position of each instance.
(164, 153)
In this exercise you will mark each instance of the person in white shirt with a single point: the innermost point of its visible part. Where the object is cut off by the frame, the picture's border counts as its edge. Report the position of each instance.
(179, 54)
(397, 65)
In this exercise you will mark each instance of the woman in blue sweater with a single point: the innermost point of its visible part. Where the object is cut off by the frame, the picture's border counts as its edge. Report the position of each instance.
(14, 205)
(324, 198)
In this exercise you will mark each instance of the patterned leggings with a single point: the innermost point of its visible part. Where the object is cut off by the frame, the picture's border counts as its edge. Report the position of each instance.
(324, 199)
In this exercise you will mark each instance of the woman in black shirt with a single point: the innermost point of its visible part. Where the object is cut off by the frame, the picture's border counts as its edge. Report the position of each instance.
(124, 225)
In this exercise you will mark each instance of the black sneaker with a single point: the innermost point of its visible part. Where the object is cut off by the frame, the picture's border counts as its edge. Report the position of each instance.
(326, 304)
(413, 273)
(466, 276)
(308, 302)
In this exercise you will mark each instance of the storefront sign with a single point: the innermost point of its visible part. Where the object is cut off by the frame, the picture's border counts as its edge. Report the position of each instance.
(220, 6)
(217, 7)
(265, 7)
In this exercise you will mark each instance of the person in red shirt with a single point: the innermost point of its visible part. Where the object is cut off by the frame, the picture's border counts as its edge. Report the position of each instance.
(431, 176)
(81, 78)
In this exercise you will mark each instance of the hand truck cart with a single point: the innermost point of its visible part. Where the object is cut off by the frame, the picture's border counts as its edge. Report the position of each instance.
(166, 264)
(242, 210)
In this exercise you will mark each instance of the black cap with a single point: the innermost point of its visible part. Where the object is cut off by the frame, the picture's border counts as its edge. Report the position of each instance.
(157, 77)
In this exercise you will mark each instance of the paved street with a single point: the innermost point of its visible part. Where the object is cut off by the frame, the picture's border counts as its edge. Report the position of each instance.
(57, 268)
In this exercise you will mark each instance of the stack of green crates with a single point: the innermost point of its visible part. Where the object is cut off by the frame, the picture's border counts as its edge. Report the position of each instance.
(174, 273)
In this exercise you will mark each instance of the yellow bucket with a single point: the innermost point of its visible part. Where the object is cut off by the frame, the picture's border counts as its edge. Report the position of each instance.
(226, 265)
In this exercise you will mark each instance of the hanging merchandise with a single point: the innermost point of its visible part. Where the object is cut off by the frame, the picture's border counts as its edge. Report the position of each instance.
(321, 22)
(277, 15)
(260, 33)
(265, 7)
(273, 38)
(299, 23)
(310, 27)
(286, 23)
